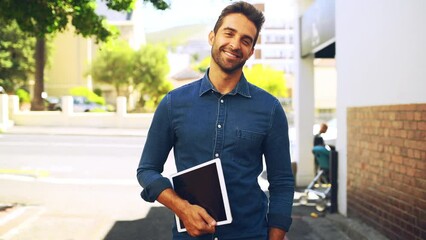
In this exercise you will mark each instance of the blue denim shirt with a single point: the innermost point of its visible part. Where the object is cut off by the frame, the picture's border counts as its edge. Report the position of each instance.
(240, 128)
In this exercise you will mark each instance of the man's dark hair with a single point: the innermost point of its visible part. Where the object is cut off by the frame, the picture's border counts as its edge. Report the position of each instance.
(248, 10)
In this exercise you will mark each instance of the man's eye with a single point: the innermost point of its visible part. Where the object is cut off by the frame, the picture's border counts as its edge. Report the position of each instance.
(246, 42)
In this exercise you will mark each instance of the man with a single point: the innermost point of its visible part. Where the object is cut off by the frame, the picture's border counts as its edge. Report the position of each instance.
(318, 140)
(223, 116)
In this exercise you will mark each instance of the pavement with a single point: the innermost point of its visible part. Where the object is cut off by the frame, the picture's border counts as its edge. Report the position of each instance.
(308, 223)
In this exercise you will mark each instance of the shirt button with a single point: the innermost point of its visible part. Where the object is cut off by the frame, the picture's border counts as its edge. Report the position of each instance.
(216, 238)
(221, 101)
(216, 155)
(219, 126)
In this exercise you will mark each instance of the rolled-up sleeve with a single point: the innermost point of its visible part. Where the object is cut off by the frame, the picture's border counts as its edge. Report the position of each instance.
(158, 144)
(280, 176)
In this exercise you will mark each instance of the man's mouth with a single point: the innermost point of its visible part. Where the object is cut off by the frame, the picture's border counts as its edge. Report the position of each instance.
(232, 54)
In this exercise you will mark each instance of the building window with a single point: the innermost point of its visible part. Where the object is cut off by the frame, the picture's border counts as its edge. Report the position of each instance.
(274, 38)
(257, 54)
(260, 6)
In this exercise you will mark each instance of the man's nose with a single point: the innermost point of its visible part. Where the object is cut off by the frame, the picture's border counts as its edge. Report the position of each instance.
(235, 43)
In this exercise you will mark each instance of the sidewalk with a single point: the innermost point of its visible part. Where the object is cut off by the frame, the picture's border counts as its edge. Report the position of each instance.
(308, 224)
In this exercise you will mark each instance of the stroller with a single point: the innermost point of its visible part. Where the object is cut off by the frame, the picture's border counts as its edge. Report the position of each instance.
(320, 185)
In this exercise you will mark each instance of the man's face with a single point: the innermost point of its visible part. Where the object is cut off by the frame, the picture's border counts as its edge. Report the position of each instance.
(233, 43)
(323, 128)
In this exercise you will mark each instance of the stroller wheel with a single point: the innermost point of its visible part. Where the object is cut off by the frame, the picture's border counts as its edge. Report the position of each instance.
(321, 205)
(303, 199)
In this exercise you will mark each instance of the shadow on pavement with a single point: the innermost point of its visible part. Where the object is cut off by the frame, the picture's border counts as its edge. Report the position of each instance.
(156, 226)
(158, 223)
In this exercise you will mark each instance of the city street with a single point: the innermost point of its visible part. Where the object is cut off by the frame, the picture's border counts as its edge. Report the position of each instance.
(75, 187)
(80, 184)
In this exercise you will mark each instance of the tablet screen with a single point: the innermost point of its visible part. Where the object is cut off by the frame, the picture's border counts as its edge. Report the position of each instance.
(204, 185)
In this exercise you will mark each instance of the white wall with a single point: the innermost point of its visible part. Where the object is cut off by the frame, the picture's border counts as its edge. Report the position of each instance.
(380, 55)
(381, 51)
(67, 118)
(325, 79)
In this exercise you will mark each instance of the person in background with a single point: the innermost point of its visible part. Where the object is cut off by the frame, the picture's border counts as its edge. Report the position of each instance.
(223, 116)
(318, 140)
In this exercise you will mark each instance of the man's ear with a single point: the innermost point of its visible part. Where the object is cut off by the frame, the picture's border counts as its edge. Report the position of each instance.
(251, 52)
(211, 38)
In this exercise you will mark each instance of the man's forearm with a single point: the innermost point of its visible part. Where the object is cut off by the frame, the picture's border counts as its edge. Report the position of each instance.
(170, 199)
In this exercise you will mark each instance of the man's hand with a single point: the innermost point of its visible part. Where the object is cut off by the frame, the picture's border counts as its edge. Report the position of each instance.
(276, 234)
(195, 218)
(197, 221)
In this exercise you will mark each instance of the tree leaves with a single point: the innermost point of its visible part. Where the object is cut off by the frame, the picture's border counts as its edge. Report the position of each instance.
(267, 78)
(145, 69)
(16, 56)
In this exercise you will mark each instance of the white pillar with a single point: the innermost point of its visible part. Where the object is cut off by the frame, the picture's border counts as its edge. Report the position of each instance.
(4, 111)
(67, 105)
(5, 123)
(121, 106)
(304, 107)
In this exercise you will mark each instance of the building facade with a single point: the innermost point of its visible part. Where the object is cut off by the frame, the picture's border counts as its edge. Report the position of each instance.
(381, 117)
(72, 54)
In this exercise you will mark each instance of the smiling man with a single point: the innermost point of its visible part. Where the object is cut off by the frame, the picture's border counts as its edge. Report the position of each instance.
(223, 116)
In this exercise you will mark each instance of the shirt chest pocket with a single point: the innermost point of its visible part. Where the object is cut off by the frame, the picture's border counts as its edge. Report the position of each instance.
(248, 146)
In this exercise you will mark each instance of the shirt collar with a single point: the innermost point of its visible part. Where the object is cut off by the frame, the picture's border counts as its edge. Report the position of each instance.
(242, 87)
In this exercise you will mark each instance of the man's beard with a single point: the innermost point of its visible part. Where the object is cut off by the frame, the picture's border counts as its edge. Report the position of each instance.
(223, 66)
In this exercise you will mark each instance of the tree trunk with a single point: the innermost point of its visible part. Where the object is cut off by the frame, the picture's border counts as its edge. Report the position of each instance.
(37, 104)
(117, 89)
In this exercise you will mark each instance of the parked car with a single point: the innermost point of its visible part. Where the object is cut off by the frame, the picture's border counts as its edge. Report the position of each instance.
(51, 103)
(81, 104)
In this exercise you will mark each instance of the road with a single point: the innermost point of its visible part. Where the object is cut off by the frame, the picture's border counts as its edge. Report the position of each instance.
(83, 186)
(76, 187)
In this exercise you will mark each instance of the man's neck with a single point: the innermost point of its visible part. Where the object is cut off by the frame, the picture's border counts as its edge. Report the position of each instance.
(222, 81)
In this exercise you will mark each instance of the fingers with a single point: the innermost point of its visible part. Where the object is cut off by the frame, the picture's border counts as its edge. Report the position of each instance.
(209, 220)
(200, 223)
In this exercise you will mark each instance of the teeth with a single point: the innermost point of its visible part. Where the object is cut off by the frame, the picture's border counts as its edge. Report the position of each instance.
(230, 54)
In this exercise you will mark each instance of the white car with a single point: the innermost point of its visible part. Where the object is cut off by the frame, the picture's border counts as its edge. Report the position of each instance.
(82, 104)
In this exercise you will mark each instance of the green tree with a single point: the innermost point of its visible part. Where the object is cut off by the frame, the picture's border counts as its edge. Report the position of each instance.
(145, 70)
(150, 70)
(113, 65)
(203, 65)
(45, 17)
(267, 78)
(16, 57)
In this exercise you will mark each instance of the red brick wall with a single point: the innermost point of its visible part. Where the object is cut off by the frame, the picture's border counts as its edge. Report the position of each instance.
(386, 156)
